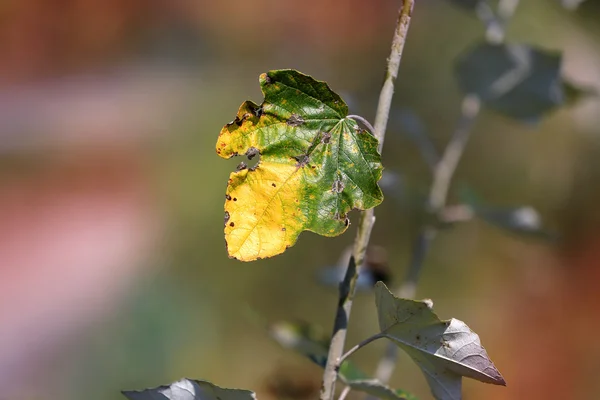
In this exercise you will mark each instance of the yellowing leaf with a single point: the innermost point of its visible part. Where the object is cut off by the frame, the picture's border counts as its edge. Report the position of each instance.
(315, 166)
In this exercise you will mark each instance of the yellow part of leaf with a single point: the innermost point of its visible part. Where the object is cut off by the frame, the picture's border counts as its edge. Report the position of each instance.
(264, 218)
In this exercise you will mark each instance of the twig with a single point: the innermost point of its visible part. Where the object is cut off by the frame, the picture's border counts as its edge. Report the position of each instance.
(447, 165)
(360, 346)
(367, 218)
(364, 121)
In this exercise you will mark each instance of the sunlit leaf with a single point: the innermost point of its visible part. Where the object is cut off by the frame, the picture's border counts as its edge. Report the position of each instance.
(517, 80)
(311, 342)
(445, 350)
(316, 165)
(187, 389)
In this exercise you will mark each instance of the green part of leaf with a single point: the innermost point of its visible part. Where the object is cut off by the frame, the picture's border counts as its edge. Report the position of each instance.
(517, 80)
(445, 350)
(187, 389)
(311, 342)
(316, 165)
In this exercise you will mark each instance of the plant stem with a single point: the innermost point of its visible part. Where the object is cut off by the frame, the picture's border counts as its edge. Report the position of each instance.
(367, 218)
(364, 121)
(360, 346)
(436, 203)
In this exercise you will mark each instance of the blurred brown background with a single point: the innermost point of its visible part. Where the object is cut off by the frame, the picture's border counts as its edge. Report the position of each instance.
(113, 270)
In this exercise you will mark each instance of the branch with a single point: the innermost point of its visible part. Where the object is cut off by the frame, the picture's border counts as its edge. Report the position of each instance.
(367, 218)
(445, 169)
(360, 346)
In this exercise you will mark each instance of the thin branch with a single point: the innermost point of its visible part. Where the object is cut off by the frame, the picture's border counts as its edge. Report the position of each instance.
(367, 218)
(360, 346)
(364, 121)
(452, 154)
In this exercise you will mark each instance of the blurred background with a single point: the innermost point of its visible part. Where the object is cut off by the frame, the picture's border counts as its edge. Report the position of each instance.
(113, 269)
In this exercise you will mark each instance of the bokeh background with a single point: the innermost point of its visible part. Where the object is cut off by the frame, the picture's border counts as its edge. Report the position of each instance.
(113, 269)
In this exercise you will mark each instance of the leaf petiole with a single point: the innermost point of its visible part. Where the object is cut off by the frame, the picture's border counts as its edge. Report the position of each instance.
(364, 121)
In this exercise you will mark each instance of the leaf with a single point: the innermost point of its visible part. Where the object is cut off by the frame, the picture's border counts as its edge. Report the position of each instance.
(310, 341)
(444, 350)
(316, 165)
(187, 389)
(517, 80)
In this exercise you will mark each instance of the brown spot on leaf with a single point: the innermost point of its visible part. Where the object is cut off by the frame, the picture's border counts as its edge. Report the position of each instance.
(338, 185)
(274, 185)
(231, 224)
(325, 137)
(295, 120)
(252, 152)
(241, 166)
(302, 160)
(228, 197)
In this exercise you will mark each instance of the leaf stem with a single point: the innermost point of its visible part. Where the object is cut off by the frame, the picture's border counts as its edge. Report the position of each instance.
(360, 346)
(367, 218)
(364, 121)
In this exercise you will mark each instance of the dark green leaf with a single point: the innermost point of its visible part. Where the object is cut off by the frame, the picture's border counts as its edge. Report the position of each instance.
(187, 389)
(517, 80)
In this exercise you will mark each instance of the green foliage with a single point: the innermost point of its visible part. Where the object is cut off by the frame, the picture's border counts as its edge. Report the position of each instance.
(445, 350)
(187, 389)
(316, 165)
